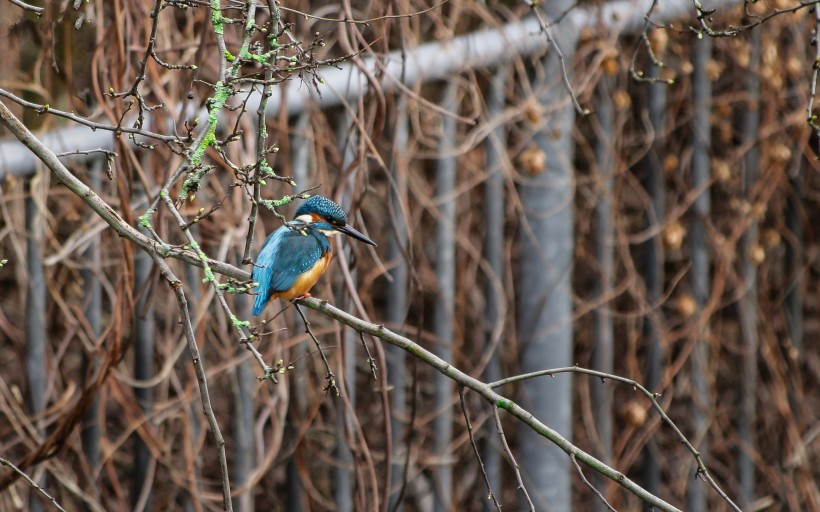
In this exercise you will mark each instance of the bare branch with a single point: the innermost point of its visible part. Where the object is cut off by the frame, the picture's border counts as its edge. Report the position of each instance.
(329, 376)
(511, 458)
(176, 286)
(490, 494)
(589, 484)
(32, 483)
(488, 393)
(653, 397)
(36, 10)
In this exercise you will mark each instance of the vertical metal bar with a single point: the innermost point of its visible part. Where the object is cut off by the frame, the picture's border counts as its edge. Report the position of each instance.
(35, 314)
(397, 300)
(701, 170)
(144, 332)
(603, 350)
(90, 433)
(194, 282)
(243, 415)
(747, 306)
(544, 290)
(494, 218)
(346, 137)
(444, 316)
(654, 275)
(294, 498)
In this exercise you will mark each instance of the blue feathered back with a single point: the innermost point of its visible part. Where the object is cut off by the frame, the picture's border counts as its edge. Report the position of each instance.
(285, 255)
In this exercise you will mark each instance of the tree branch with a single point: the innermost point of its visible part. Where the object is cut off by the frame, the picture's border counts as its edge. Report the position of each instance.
(26, 7)
(103, 209)
(31, 482)
(489, 394)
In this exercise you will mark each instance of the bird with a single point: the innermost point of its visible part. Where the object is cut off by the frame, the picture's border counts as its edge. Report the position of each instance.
(296, 255)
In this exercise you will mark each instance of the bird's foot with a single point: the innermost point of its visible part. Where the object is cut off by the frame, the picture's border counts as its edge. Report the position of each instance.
(303, 296)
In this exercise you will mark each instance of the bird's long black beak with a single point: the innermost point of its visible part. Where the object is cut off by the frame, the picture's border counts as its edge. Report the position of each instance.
(348, 230)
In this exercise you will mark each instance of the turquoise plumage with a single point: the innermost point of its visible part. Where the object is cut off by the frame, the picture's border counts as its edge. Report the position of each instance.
(294, 256)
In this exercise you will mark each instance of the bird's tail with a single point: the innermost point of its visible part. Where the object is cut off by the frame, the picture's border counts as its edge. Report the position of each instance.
(262, 297)
(259, 304)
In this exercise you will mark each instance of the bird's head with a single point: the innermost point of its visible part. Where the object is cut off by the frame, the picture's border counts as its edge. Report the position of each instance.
(324, 215)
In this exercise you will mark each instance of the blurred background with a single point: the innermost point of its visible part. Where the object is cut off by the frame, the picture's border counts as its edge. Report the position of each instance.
(639, 204)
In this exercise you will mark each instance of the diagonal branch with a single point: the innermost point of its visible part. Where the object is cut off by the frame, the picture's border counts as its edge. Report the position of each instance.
(103, 209)
(34, 485)
(469, 424)
(205, 395)
(490, 395)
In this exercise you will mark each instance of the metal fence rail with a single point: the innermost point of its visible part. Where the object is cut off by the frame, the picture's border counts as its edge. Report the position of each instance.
(428, 62)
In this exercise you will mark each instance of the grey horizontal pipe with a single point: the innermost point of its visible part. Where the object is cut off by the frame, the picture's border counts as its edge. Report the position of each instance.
(430, 61)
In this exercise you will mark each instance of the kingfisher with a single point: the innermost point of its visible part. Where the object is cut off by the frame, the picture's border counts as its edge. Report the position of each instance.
(296, 255)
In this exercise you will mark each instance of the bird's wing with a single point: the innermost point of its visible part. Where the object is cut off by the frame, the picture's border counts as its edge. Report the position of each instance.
(262, 270)
(285, 255)
(296, 255)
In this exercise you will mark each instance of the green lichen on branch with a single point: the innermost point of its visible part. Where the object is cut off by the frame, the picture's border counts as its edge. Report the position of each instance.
(233, 286)
(261, 58)
(239, 323)
(191, 184)
(216, 17)
(221, 94)
(272, 204)
(145, 219)
(265, 170)
(208, 141)
(209, 274)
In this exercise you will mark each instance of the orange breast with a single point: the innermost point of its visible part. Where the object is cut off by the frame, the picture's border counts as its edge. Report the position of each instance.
(306, 281)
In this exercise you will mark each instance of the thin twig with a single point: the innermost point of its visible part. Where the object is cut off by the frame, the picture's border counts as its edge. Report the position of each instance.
(34, 485)
(262, 130)
(135, 87)
(644, 41)
(811, 116)
(589, 484)
(106, 152)
(703, 472)
(268, 372)
(371, 361)
(47, 109)
(704, 15)
(511, 457)
(199, 368)
(408, 448)
(489, 394)
(329, 376)
(490, 494)
(36, 10)
(368, 20)
(567, 85)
